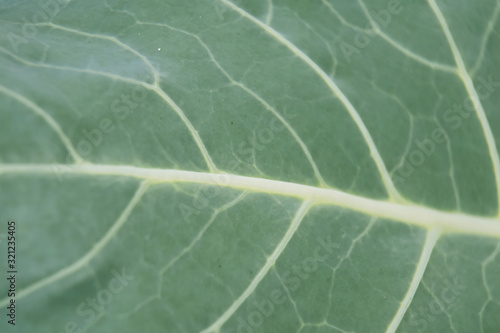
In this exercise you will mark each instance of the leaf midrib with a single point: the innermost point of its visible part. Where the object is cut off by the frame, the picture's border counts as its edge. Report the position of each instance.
(451, 222)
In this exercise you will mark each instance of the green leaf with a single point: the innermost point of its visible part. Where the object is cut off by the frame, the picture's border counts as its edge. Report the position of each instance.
(250, 166)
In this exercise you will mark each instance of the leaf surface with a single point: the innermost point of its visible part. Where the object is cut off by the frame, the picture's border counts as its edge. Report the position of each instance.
(251, 166)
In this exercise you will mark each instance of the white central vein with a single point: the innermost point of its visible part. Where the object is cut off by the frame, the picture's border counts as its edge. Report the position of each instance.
(430, 242)
(386, 178)
(94, 251)
(299, 216)
(407, 213)
(471, 90)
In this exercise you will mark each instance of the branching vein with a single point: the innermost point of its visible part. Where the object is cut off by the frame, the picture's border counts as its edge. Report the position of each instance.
(48, 119)
(154, 87)
(469, 85)
(299, 216)
(430, 242)
(94, 251)
(403, 49)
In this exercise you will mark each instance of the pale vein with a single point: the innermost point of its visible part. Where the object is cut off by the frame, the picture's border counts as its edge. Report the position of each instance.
(403, 49)
(76, 70)
(490, 28)
(263, 272)
(48, 119)
(200, 234)
(94, 251)
(469, 85)
(484, 266)
(430, 242)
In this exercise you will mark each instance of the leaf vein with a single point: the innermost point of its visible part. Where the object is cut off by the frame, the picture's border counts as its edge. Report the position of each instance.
(271, 260)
